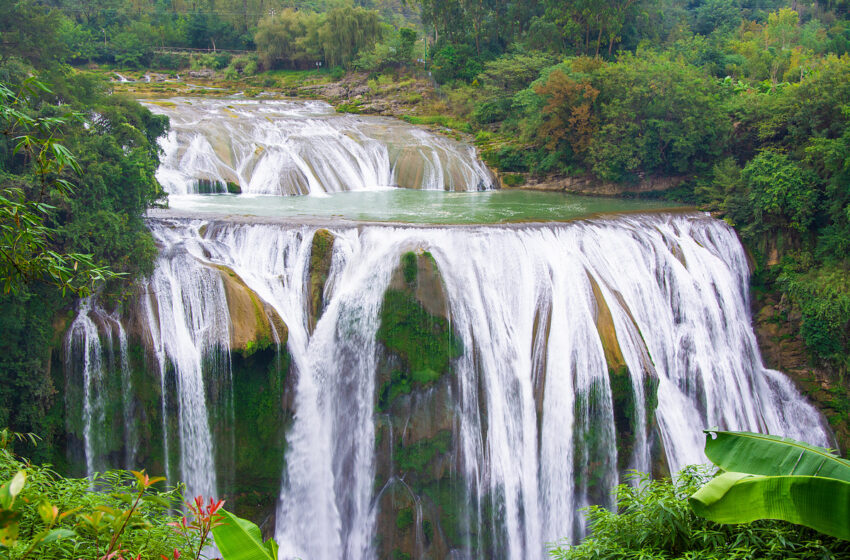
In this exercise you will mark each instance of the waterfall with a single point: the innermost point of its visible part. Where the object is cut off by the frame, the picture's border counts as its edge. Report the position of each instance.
(190, 333)
(90, 357)
(542, 311)
(303, 147)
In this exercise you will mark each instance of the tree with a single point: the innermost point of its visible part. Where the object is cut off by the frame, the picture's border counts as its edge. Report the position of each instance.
(281, 39)
(26, 242)
(347, 31)
(782, 195)
(657, 115)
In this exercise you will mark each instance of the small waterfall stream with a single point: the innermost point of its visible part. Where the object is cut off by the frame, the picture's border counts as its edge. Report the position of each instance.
(535, 413)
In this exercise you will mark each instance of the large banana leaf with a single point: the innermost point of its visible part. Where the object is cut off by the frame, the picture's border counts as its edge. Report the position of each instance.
(239, 539)
(820, 503)
(772, 456)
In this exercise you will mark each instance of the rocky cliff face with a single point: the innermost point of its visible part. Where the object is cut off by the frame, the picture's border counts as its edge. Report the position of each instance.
(777, 326)
(415, 428)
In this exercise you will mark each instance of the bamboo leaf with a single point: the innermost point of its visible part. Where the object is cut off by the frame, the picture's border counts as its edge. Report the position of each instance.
(239, 539)
(772, 456)
(820, 503)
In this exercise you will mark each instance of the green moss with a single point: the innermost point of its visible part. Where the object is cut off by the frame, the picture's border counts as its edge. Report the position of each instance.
(321, 254)
(423, 341)
(404, 519)
(399, 555)
(349, 108)
(417, 456)
(450, 496)
(233, 188)
(650, 393)
(409, 267)
(428, 531)
(623, 397)
(259, 430)
(590, 459)
(513, 179)
(399, 384)
(207, 186)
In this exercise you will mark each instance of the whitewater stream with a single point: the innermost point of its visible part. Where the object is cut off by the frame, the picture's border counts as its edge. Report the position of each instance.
(529, 404)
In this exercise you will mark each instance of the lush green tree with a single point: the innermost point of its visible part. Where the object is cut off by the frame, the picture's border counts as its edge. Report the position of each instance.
(657, 116)
(346, 31)
(782, 195)
(28, 31)
(289, 39)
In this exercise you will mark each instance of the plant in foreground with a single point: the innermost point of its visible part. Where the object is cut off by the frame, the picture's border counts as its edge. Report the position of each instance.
(204, 520)
(770, 477)
(653, 521)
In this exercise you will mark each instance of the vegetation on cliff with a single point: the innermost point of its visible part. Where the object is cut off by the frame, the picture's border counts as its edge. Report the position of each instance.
(653, 520)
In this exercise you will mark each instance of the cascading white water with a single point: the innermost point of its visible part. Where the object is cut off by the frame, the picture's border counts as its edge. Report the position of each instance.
(303, 147)
(83, 338)
(189, 330)
(90, 346)
(524, 302)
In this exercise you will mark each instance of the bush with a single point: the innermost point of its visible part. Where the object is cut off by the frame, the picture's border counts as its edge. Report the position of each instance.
(86, 511)
(653, 520)
(455, 62)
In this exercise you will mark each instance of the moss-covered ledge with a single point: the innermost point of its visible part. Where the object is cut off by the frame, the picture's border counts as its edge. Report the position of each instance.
(415, 329)
(321, 258)
(254, 325)
(623, 395)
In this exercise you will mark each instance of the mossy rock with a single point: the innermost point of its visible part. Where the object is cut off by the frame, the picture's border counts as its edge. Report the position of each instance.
(425, 343)
(623, 395)
(321, 258)
(233, 188)
(208, 186)
(254, 324)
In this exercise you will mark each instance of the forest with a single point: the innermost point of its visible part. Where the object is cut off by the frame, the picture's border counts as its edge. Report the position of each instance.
(740, 107)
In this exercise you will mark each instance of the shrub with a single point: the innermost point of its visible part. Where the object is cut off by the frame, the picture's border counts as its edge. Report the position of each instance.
(653, 520)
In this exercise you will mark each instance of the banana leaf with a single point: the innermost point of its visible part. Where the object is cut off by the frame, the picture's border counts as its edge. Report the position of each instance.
(239, 539)
(772, 456)
(820, 503)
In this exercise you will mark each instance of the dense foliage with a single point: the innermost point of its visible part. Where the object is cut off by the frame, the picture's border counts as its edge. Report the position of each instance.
(56, 517)
(653, 520)
(743, 107)
(76, 175)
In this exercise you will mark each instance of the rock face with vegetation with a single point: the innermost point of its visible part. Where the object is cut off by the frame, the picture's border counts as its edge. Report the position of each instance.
(321, 255)
(625, 395)
(415, 441)
(254, 325)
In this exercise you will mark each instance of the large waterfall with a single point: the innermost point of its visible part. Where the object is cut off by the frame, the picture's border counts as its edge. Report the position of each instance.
(584, 349)
(303, 147)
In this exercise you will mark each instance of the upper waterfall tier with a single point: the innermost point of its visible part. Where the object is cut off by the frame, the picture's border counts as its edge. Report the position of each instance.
(304, 147)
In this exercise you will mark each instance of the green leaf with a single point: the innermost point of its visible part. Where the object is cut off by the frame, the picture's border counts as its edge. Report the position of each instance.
(9, 535)
(271, 547)
(17, 483)
(820, 503)
(56, 534)
(10, 490)
(772, 456)
(156, 500)
(48, 513)
(239, 539)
